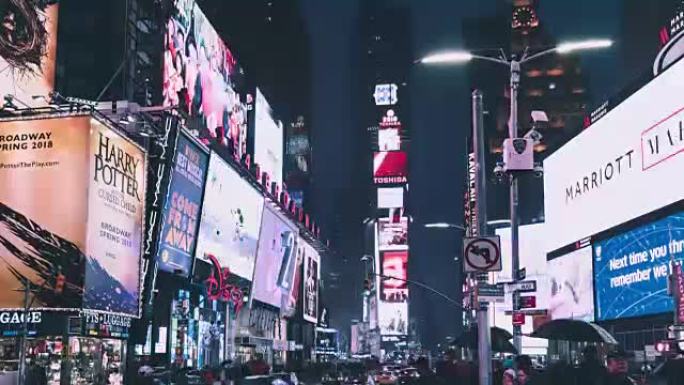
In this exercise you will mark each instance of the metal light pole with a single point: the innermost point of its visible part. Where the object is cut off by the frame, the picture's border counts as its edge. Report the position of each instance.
(514, 65)
(483, 333)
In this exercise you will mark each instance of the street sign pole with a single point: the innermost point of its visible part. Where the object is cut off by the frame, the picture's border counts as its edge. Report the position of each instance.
(483, 337)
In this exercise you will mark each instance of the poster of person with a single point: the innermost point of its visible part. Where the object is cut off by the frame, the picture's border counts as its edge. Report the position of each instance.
(312, 264)
(43, 210)
(203, 78)
(291, 297)
(182, 208)
(28, 49)
(231, 219)
(116, 211)
(395, 266)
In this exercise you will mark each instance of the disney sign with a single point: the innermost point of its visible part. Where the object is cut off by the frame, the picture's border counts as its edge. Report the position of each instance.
(218, 287)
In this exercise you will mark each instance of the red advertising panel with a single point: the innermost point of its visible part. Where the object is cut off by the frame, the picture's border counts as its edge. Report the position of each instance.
(394, 270)
(390, 167)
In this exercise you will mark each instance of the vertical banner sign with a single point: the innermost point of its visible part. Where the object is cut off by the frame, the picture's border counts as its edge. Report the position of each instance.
(394, 265)
(116, 207)
(679, 291)
(43, 209)
(312, 264)
(182, 209)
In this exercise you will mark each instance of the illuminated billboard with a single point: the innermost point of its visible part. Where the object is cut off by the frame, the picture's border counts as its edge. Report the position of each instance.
(28, 49)
(393, 318)
(276, 259)
(389, 139)
(392, 234)
(289, 306)
(623, 166)
(390, 167)
(312, 276)
(231, 218)
(72, 207)
(268, 140)
(631, 269)
(116, 212)
(395, 265)
(180, 221)
(571, 285)
(202, 76)
(390, 197)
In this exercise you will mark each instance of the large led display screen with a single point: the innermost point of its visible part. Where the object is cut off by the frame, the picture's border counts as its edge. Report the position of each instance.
(623, 166)
(393, 318)
(231, 218)
(268, 140)
(28, 49)
(392, 234)
(116, 212)
(312, 276)
(202, 76)
(571, 285)
(182, 209)
(72, 196)
(394, 287)
(44, 172)
(631, 269)
(390, 167)
(276, 259)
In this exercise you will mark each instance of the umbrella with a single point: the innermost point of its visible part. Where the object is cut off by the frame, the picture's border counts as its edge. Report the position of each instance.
(499, 340)
(573, 330)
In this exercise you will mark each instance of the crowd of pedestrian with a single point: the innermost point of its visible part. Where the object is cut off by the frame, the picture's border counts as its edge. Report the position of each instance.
(593, 369)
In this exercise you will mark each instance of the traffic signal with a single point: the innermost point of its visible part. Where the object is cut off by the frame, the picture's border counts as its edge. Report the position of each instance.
(59, 283)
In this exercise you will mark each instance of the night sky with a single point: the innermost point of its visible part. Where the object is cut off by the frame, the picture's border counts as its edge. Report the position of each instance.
(440, 111)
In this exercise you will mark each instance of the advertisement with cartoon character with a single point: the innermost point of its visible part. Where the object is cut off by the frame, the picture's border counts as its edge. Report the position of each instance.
(231, 218)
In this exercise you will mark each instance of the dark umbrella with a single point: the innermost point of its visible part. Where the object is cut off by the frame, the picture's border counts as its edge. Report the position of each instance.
(499, 340)
(573, 330)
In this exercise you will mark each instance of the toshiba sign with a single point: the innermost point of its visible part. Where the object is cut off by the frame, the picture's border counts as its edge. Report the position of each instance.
(625, 165)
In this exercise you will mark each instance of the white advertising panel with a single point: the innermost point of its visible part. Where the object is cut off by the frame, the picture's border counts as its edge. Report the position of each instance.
(393, 318)
(390, 197)
(533, 260)
(572, 285)
(625, 165)
(276, 259)
(231, 218)
(268, 140)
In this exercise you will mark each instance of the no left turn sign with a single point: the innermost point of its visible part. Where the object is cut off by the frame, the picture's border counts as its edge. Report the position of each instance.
(482, 254)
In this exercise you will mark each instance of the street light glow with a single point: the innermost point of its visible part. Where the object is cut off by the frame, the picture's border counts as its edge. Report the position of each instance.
(585, 44)
(448, 57)
(443, 225)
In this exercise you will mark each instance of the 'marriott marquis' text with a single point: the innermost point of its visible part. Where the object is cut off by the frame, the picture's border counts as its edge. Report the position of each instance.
(604, 174)
(115, 167)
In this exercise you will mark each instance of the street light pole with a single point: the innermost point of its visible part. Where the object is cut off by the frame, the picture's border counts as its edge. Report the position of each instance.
(515, 247)
(484, 348)
(514, 68)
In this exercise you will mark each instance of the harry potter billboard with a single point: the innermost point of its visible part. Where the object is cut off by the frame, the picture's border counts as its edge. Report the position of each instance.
(71, 214)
